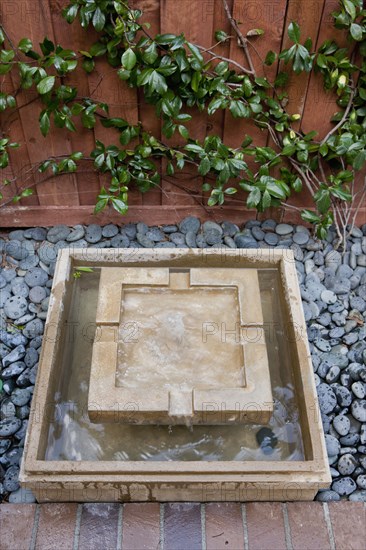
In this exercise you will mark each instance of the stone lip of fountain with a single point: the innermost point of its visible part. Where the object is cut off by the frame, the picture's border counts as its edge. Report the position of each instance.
(83, 480)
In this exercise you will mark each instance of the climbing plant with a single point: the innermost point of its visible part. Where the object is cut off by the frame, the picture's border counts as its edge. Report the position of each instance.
(174, 74)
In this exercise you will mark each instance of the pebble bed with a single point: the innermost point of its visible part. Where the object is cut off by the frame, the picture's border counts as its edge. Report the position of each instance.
(333, 289)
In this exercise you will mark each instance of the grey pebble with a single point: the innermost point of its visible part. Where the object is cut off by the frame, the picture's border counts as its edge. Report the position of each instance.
(93, 233)
(284, 229)
(346, 464)
(341, 424)
(9, 426)
(344, 486)
(358, 409)
(36, 277)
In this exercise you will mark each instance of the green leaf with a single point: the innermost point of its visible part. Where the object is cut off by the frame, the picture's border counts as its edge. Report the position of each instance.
(70, 12)
(158, 83)
(270, 58)
(281, 80)
(97, 49)
(114, 123)
(44, 123)
(254, 198)
(150, 55)
(310, 217)
(230, 191)
(98, 20)
(2, 36)
(129, 59)
(45, 85)
(275, 190)
(294, 32)
(341, 194)
(194, 148)
(255, 32)
(88, 119)
(88, 65)
(221, 36)
(99, 160)
(321, 61)
(266, 200)
(183, 131)
(359, 160)
(101, 204)
(47, 46)
(26, 193)
(238, 109)
(77, 155)
(297, 185)
(356, 32)
(247, 141)
(125, 136)
(350, 8)
(196, 79)
(204, 167)
(170, 169)
(214, 105)
(25, 45)
(5, 68)
(197, 57)
(323, 149)
(322, 199)
(10, 100)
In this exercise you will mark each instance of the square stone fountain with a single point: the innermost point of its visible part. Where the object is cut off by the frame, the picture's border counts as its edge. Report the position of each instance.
(179, 346)
(175, 375)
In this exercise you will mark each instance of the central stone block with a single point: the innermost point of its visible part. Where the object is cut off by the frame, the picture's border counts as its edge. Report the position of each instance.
(178, 346)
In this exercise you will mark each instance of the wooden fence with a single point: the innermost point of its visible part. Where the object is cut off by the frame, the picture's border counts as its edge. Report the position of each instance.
(70, 198)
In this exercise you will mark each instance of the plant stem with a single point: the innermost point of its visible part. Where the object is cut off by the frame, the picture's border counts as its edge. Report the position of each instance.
(243, 41)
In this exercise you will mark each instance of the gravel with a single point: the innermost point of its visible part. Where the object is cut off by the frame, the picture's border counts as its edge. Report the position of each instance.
(333, 290)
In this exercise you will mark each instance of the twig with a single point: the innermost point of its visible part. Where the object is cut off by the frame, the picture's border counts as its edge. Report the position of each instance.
(345, 114)
(286, 205)
(243, 41)
(361, 201)
(216, 56)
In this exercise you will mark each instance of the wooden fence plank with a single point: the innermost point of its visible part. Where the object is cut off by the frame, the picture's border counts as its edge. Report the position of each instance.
(269, 16)
(73, 37)
(308, 15)
(105, 86)
(197, 26)
(146, 112)
(321, 105)
(25, 216)
(19, 161)
(32, 19)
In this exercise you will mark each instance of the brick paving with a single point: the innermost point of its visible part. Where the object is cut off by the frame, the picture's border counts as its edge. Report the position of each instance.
(184, 526)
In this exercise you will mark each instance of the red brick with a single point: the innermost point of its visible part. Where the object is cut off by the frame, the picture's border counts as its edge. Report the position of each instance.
(182, 526)
(348, 521)
(141, 526)
(57, 522)
(16, 526)
(224, 526)
(265, 526)
(99, 526)
(307, 526)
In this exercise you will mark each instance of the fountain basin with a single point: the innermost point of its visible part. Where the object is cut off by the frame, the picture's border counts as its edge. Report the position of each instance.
(175, 345)
(72, 456)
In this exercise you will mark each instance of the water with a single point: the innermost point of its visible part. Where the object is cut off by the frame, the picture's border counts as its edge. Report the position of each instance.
(71, 436)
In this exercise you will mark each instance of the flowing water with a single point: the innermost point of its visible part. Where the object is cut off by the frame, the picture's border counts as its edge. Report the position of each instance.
(71, 436)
